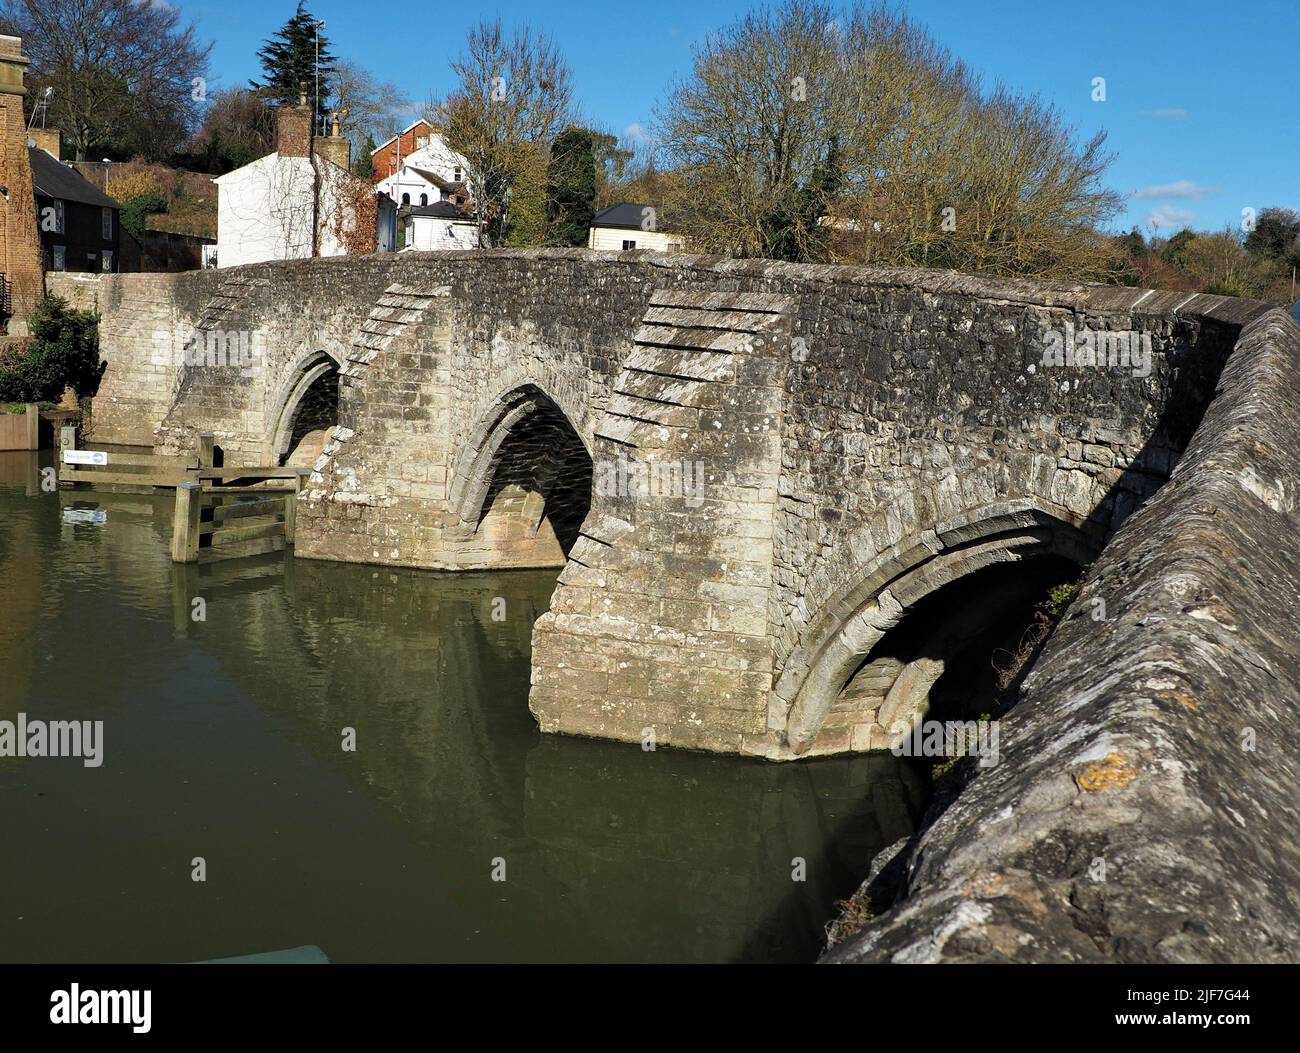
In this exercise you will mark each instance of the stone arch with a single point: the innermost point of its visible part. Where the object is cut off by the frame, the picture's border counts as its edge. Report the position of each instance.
(880, 591)
(308, 403)
(522, 484)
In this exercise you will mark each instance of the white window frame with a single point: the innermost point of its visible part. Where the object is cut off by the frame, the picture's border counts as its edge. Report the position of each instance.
(58, 257)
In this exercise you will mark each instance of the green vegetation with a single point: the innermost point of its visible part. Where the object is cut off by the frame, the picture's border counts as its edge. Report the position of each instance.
(1061, 597)
(1259, 263)
(571, 187)
(17, 409)
(525, 200)
(289, 61)
(364, 164)
(64, 352)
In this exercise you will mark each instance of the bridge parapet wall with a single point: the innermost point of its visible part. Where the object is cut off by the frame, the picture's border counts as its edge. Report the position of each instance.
(1136, 813)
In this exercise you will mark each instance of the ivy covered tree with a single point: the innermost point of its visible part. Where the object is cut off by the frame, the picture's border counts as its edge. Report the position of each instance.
(794, 231)
(571, 187)
(293, 59)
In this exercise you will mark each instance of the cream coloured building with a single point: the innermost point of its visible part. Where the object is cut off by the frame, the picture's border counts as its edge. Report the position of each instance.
(628, 226)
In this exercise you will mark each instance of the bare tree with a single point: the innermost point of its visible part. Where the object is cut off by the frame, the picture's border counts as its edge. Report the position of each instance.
(812, 133)
(514, 89)
(366, 105)
(126, 75)
(239, 127)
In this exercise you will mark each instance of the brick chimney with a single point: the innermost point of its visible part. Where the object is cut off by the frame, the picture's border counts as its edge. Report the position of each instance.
(20, 244)
(293, 128)
(336, 148)
(48, 139)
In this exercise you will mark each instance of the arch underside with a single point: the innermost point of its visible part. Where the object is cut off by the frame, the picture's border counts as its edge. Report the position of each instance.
(846, 688)
(309, 411)
(523, 488)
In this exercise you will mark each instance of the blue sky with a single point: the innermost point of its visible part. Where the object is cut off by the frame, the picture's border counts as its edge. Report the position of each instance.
(1198, 94)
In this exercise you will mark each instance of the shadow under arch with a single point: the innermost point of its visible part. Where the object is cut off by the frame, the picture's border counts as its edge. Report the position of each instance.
(887, 589)
(308, 402)
(523, 483)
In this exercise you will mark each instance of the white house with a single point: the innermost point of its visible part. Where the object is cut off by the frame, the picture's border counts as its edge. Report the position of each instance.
(444, 225)
(430, 173)
(629, 226)
(300, 201)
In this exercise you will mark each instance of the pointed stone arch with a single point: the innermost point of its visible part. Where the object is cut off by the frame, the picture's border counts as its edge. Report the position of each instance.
(309, 382)
(881, 590)
(522, 485)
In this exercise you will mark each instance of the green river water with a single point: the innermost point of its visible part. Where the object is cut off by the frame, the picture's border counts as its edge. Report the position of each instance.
(222, 740)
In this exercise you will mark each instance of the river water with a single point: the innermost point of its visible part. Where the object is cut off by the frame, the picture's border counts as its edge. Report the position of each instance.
(223, 742)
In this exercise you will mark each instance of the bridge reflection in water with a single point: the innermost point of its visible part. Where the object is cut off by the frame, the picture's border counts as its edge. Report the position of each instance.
(223, 740)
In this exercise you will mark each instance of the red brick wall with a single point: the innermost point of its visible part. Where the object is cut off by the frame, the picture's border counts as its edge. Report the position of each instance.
(386, 157)
(20, 246)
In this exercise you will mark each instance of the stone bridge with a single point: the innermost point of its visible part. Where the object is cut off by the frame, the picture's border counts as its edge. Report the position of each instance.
(891, 462)
(786, 499)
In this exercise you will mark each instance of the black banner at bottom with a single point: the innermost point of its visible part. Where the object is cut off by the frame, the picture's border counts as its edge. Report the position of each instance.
(141, 1003)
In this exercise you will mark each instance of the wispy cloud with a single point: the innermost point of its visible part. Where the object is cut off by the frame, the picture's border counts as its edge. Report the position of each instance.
(1167, 216)
(636, 133)
(1181, 188)
(1171, 114)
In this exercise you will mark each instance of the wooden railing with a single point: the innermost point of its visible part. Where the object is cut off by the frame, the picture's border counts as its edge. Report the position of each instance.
(209, 514)
(131, 469)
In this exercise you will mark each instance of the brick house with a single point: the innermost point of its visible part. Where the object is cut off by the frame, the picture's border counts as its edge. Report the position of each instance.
(388, 157)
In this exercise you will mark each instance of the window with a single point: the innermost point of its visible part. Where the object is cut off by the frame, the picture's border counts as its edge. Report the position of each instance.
(424, 200)
(106, 223)
(421, 141)
(107, 261)
(628, 245)
(60, 258)
(457, 177)
(409, 239)
(406, 199)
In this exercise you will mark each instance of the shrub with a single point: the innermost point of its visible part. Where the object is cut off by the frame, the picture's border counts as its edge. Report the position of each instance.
(135, 210)
(64, 352)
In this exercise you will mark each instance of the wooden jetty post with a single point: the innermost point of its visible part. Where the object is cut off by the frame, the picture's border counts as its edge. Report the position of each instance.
(291, 505)
(185, 523)
(207, 443)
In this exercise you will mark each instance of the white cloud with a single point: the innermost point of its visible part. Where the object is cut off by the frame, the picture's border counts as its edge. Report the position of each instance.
(1167, 217)
(1172, 114)
(635, 133)
(1181, 188)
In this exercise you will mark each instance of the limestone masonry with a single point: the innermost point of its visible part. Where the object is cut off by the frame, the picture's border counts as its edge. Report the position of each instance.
(752, 472)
